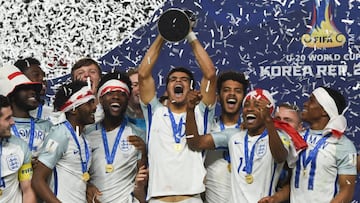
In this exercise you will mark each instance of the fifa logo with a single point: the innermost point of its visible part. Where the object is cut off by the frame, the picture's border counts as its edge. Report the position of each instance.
(323, 32)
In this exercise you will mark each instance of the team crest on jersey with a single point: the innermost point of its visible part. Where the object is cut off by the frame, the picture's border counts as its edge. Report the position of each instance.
(261, 148)
(125, 145)
(13, 162)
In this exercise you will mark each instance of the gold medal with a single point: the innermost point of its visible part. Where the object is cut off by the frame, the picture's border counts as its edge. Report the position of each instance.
(249, 178)
(229, 167)
(109, 168)
(304, 172)
(177, 147)
(86, 176)
(1, 192)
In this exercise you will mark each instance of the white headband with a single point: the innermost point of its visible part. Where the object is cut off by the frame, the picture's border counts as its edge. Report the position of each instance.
(113, 85)
(337, 122)
(260, 93)
(80, 97)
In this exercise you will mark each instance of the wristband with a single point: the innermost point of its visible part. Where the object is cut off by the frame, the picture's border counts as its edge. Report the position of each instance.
(189, 136)
(191, 37)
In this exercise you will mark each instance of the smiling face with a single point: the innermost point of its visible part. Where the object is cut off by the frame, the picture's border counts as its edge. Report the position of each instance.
(252, 117)
(231, 97)
(178, 87)
(91, 72)
(86, 112)
(114, 104)
(26, 98)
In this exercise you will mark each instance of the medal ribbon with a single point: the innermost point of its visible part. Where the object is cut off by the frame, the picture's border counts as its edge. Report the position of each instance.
(249, 159)
(110, 157)
(176, 127)
(84, 164)
(39, 112)
(226, 154)
(311, 158)
(31, 136)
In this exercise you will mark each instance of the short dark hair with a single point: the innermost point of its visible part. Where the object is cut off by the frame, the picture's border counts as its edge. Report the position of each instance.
(184, 70)
(338, 98)
(117, 76)
(232, 75)
(84, 62)
(66, 91)
(25, 63)
(4, 102)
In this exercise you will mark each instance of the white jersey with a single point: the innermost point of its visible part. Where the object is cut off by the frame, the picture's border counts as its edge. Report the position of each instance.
(14, 154)
(265, 171)
(115, 186)
(37, 134)
(218, 171)
(62, 155)
(317, 182)
(174, 169)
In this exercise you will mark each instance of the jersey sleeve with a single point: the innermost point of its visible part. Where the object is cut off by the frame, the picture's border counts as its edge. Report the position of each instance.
(221, 139)
(346, 157)
(54, 147)
(25, 172)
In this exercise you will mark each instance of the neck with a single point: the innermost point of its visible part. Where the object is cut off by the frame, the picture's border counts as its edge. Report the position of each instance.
(177, 108)
(110, 123)
(230, 119)
(257, 131)
(319, 124)
(20, 113)
(74, 122)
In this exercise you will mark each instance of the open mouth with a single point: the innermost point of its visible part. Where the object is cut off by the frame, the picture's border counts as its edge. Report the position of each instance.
(250, 118)
(115, 106)
(231, 102)
(178, 90)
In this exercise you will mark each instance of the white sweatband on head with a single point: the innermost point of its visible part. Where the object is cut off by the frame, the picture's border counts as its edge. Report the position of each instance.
(191, 37)
(337, 123)
(326, 101)
(258, 94)
(113, 85)
(80, 97)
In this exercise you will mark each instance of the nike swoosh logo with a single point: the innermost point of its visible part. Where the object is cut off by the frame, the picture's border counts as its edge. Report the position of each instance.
(76, 151)
(236, 142)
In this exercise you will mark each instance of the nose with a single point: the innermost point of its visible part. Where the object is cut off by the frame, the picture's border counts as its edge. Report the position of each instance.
(12, 122)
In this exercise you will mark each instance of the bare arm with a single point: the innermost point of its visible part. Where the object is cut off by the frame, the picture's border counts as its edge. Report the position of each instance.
(280, 196)
(27, 191)
(347, 189)
(39, 183)
(146, 81)
(277, 148)
(141, 184)
(209, 75)
(195, 141)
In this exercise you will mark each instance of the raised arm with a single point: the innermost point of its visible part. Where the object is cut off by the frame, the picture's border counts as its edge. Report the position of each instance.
(208, 81)
(146, 80)
(195, 141)
(39, 183)
(277, 148)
